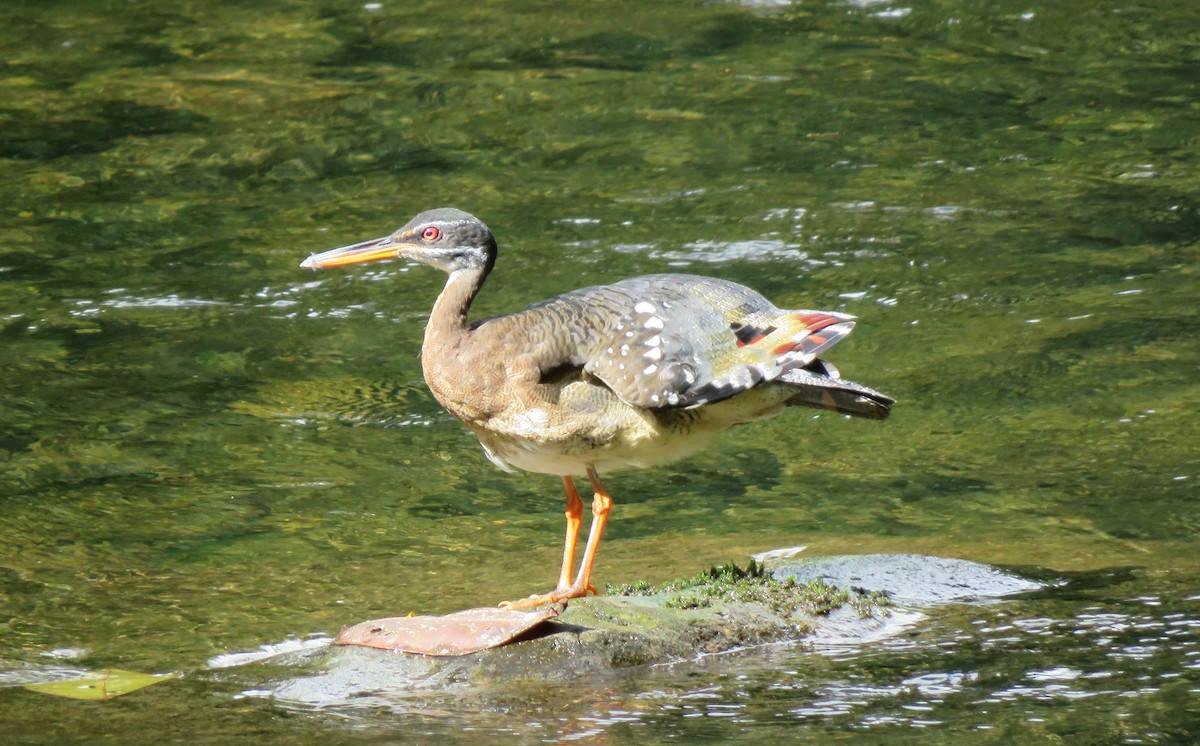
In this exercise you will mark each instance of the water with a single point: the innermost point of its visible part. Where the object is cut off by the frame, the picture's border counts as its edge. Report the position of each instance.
(205, 449)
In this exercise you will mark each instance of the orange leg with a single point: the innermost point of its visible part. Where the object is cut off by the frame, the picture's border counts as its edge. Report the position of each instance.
(601, 506)
(574, 513)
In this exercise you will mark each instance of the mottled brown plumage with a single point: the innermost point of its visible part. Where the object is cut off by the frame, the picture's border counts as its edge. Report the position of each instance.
(632, 374)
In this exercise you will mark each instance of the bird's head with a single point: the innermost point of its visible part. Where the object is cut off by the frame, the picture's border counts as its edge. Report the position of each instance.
(450, 240)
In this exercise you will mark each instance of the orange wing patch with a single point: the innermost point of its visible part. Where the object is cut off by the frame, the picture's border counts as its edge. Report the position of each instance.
(805, 335)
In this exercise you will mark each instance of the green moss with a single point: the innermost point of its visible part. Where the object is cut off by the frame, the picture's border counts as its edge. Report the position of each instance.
(729, 583)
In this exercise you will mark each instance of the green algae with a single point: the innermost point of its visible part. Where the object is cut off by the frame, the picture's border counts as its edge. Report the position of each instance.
(754, 584)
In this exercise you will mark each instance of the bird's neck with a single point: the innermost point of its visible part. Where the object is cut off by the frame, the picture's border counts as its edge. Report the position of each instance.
(448, 361)
(448, 321)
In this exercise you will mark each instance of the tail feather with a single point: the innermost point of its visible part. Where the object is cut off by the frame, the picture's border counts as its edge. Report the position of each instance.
(817, 385)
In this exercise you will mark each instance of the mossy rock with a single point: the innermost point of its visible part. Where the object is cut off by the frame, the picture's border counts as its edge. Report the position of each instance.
(840, 599)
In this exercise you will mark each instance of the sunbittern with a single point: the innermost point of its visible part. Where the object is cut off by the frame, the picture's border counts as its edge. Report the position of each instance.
(640, 372)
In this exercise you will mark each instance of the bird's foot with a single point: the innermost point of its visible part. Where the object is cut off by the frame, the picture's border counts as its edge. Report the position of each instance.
(553, 597)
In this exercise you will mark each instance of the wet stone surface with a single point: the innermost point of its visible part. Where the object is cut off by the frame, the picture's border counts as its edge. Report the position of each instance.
(911, 579)
(713, 613)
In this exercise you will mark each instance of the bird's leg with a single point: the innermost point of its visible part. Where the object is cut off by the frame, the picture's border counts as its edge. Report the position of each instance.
(601, 506)
(574, 513)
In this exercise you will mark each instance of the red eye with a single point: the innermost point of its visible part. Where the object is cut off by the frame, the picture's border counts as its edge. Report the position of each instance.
(430, 233)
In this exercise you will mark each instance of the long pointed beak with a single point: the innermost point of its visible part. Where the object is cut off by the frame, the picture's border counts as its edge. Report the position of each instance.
(376, 248)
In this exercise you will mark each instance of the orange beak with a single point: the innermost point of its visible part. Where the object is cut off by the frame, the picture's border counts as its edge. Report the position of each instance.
(376, 248)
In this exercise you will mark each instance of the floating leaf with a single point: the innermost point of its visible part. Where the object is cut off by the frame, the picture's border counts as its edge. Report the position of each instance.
(104, 684)
(459, 633)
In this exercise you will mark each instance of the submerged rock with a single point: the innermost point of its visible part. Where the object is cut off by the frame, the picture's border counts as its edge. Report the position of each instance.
(833, 599)
(912, 579)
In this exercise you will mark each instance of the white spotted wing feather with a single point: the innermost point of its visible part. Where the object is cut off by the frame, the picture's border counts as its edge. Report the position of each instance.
(673, 340)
